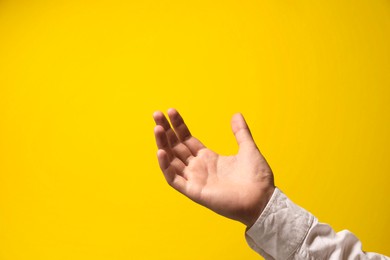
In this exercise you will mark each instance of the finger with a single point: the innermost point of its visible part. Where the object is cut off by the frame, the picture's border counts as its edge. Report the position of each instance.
(179, 149)
(179, 166)
(160, 119)
(241, 130)
(183, 133)
(178, 124)
(182, 152)
(162, 141)
(173, 179)
(194, 145)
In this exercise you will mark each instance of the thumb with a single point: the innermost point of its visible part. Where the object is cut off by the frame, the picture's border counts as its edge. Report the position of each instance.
(241, 130)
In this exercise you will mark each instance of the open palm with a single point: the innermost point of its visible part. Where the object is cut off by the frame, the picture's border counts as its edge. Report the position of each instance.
(237, 187)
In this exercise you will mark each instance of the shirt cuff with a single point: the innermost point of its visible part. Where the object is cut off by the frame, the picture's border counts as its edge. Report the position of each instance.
(280, 229)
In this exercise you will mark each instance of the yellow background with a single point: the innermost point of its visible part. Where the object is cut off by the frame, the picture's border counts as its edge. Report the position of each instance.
(79, 81)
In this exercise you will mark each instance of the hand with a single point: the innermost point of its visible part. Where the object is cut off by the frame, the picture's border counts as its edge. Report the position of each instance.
(238, 187)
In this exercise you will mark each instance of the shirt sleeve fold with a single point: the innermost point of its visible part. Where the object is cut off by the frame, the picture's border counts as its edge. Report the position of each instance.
(280, 229)
(286, 231)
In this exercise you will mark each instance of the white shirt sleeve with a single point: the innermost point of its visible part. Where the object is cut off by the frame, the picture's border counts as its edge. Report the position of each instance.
(286, 231)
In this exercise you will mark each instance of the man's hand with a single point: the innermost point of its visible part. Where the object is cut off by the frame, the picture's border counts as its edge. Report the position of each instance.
(238, 187)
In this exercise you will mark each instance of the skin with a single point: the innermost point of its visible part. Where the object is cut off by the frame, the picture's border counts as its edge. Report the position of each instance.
(237, 187)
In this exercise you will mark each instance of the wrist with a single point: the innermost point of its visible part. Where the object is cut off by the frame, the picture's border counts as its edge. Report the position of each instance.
(259, 208)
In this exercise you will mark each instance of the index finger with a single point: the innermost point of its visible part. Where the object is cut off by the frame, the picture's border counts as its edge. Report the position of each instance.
(160, 119)
(183, 133)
